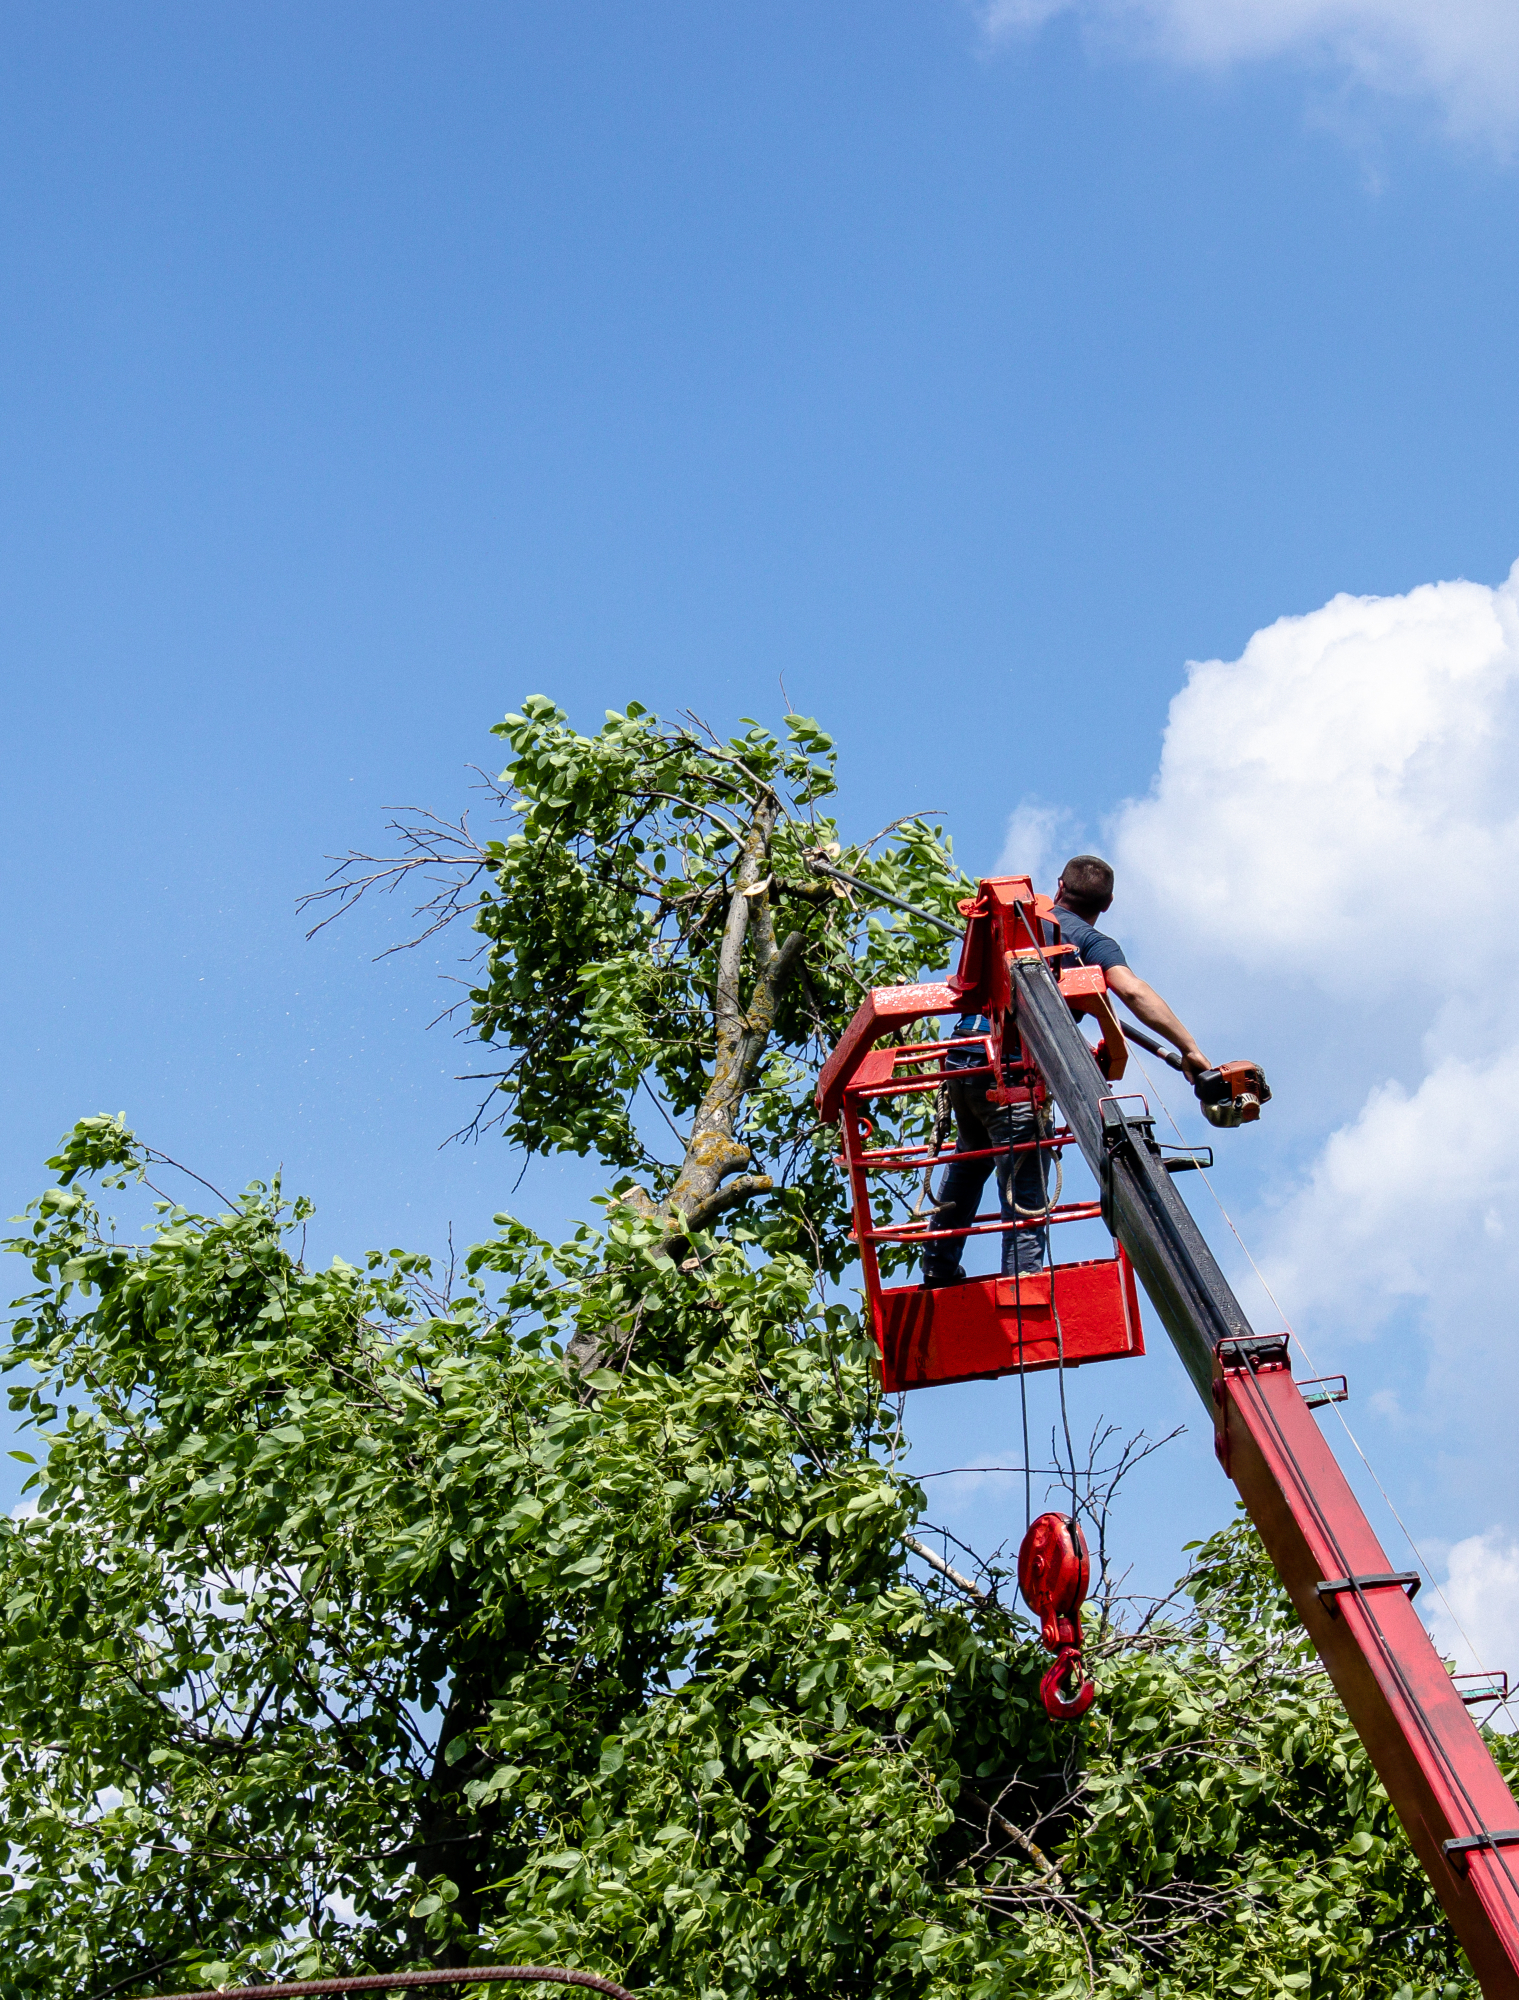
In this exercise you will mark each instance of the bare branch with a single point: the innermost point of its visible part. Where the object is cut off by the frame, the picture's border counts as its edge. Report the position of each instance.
(907, 819)
(938, 1563)
(428, 843)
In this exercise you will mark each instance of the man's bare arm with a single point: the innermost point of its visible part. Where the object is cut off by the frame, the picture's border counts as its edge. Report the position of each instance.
(1147, 1004)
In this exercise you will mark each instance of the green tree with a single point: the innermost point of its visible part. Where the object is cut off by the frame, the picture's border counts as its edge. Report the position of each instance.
(569, 1612)
(657, 930)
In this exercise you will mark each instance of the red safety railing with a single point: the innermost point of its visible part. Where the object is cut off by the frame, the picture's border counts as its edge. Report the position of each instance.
(1062, 1315)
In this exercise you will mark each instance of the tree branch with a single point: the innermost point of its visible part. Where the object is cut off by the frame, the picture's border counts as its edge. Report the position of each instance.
(986, 1602)
(745, 1188)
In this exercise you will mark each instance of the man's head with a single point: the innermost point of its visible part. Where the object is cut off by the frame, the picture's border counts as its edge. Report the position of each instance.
(1086, 886)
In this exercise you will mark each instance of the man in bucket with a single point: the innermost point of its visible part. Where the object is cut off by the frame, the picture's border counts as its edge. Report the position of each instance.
(1084, 893)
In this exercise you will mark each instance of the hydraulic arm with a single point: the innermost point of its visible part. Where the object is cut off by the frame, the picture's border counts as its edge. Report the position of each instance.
(1453, 1802)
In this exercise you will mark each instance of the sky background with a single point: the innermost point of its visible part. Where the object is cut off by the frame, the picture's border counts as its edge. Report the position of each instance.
(975, 369)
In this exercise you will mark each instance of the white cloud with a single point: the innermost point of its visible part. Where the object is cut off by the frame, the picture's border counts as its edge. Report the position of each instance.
(1462, 56)
(1480, 1629)
(1040, 839)
(1327, 870)
(1327, 863)
(1418, 1198)
(1352, 770)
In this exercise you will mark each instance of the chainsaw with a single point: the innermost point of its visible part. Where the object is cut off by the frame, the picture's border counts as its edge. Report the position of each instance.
(1233, 1093)
(1230, 1095)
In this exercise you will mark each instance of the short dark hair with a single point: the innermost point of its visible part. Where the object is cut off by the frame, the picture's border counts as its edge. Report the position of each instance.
(1088, 884)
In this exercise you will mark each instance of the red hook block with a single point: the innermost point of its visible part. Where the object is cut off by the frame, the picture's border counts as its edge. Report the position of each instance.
(1054, 1570)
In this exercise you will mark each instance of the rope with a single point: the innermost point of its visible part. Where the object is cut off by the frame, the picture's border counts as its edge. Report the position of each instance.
(1028, 1478)
(1043, 1129)
(1065, 1419)
(942, 1117)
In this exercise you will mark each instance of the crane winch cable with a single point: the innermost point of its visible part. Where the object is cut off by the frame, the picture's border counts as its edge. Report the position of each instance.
(385, 1982)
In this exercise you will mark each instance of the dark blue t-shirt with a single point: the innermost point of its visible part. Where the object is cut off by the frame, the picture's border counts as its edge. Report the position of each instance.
(1093, 947)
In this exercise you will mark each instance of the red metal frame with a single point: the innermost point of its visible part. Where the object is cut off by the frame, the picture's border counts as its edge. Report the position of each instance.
(1453, 1801)
(1359, 1613)
(1000, 921)
(1063, 1316)
(1007, 1326)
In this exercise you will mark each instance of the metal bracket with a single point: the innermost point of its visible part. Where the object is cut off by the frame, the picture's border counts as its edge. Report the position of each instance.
(1116, 1139)
(1334, 1586)
(1119, 1134)
(1469, 1843)
(1180, 1163)
(1254, 1351)
(1235, 1353)
(1324, 1390)
(1496, 1688)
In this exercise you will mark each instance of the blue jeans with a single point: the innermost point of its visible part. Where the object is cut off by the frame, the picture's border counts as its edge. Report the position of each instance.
(978, 1125)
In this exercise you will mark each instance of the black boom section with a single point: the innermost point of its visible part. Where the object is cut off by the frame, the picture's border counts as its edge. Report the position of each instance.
(1140, 1202)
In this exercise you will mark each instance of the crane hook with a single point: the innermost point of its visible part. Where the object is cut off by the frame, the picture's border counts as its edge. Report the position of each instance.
(1054, 1570)
(1067, 1708)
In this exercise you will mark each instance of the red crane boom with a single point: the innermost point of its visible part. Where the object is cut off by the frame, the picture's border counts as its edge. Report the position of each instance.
(1454, 1803)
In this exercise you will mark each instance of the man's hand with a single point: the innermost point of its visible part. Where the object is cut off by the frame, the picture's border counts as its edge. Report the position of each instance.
(1146, 1003)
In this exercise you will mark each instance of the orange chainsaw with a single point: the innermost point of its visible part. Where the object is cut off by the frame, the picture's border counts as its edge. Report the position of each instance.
(1230, 1095)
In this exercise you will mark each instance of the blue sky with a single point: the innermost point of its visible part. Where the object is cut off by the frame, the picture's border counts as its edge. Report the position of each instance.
(363, 370)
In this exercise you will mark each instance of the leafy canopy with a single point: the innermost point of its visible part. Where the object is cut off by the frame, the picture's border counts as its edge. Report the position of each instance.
(659, 950)
(357, 1628)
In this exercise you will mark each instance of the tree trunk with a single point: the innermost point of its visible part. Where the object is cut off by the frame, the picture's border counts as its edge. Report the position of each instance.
(703, 1189)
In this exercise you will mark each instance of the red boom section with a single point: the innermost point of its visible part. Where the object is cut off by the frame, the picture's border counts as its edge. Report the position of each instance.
(1456, 1808)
